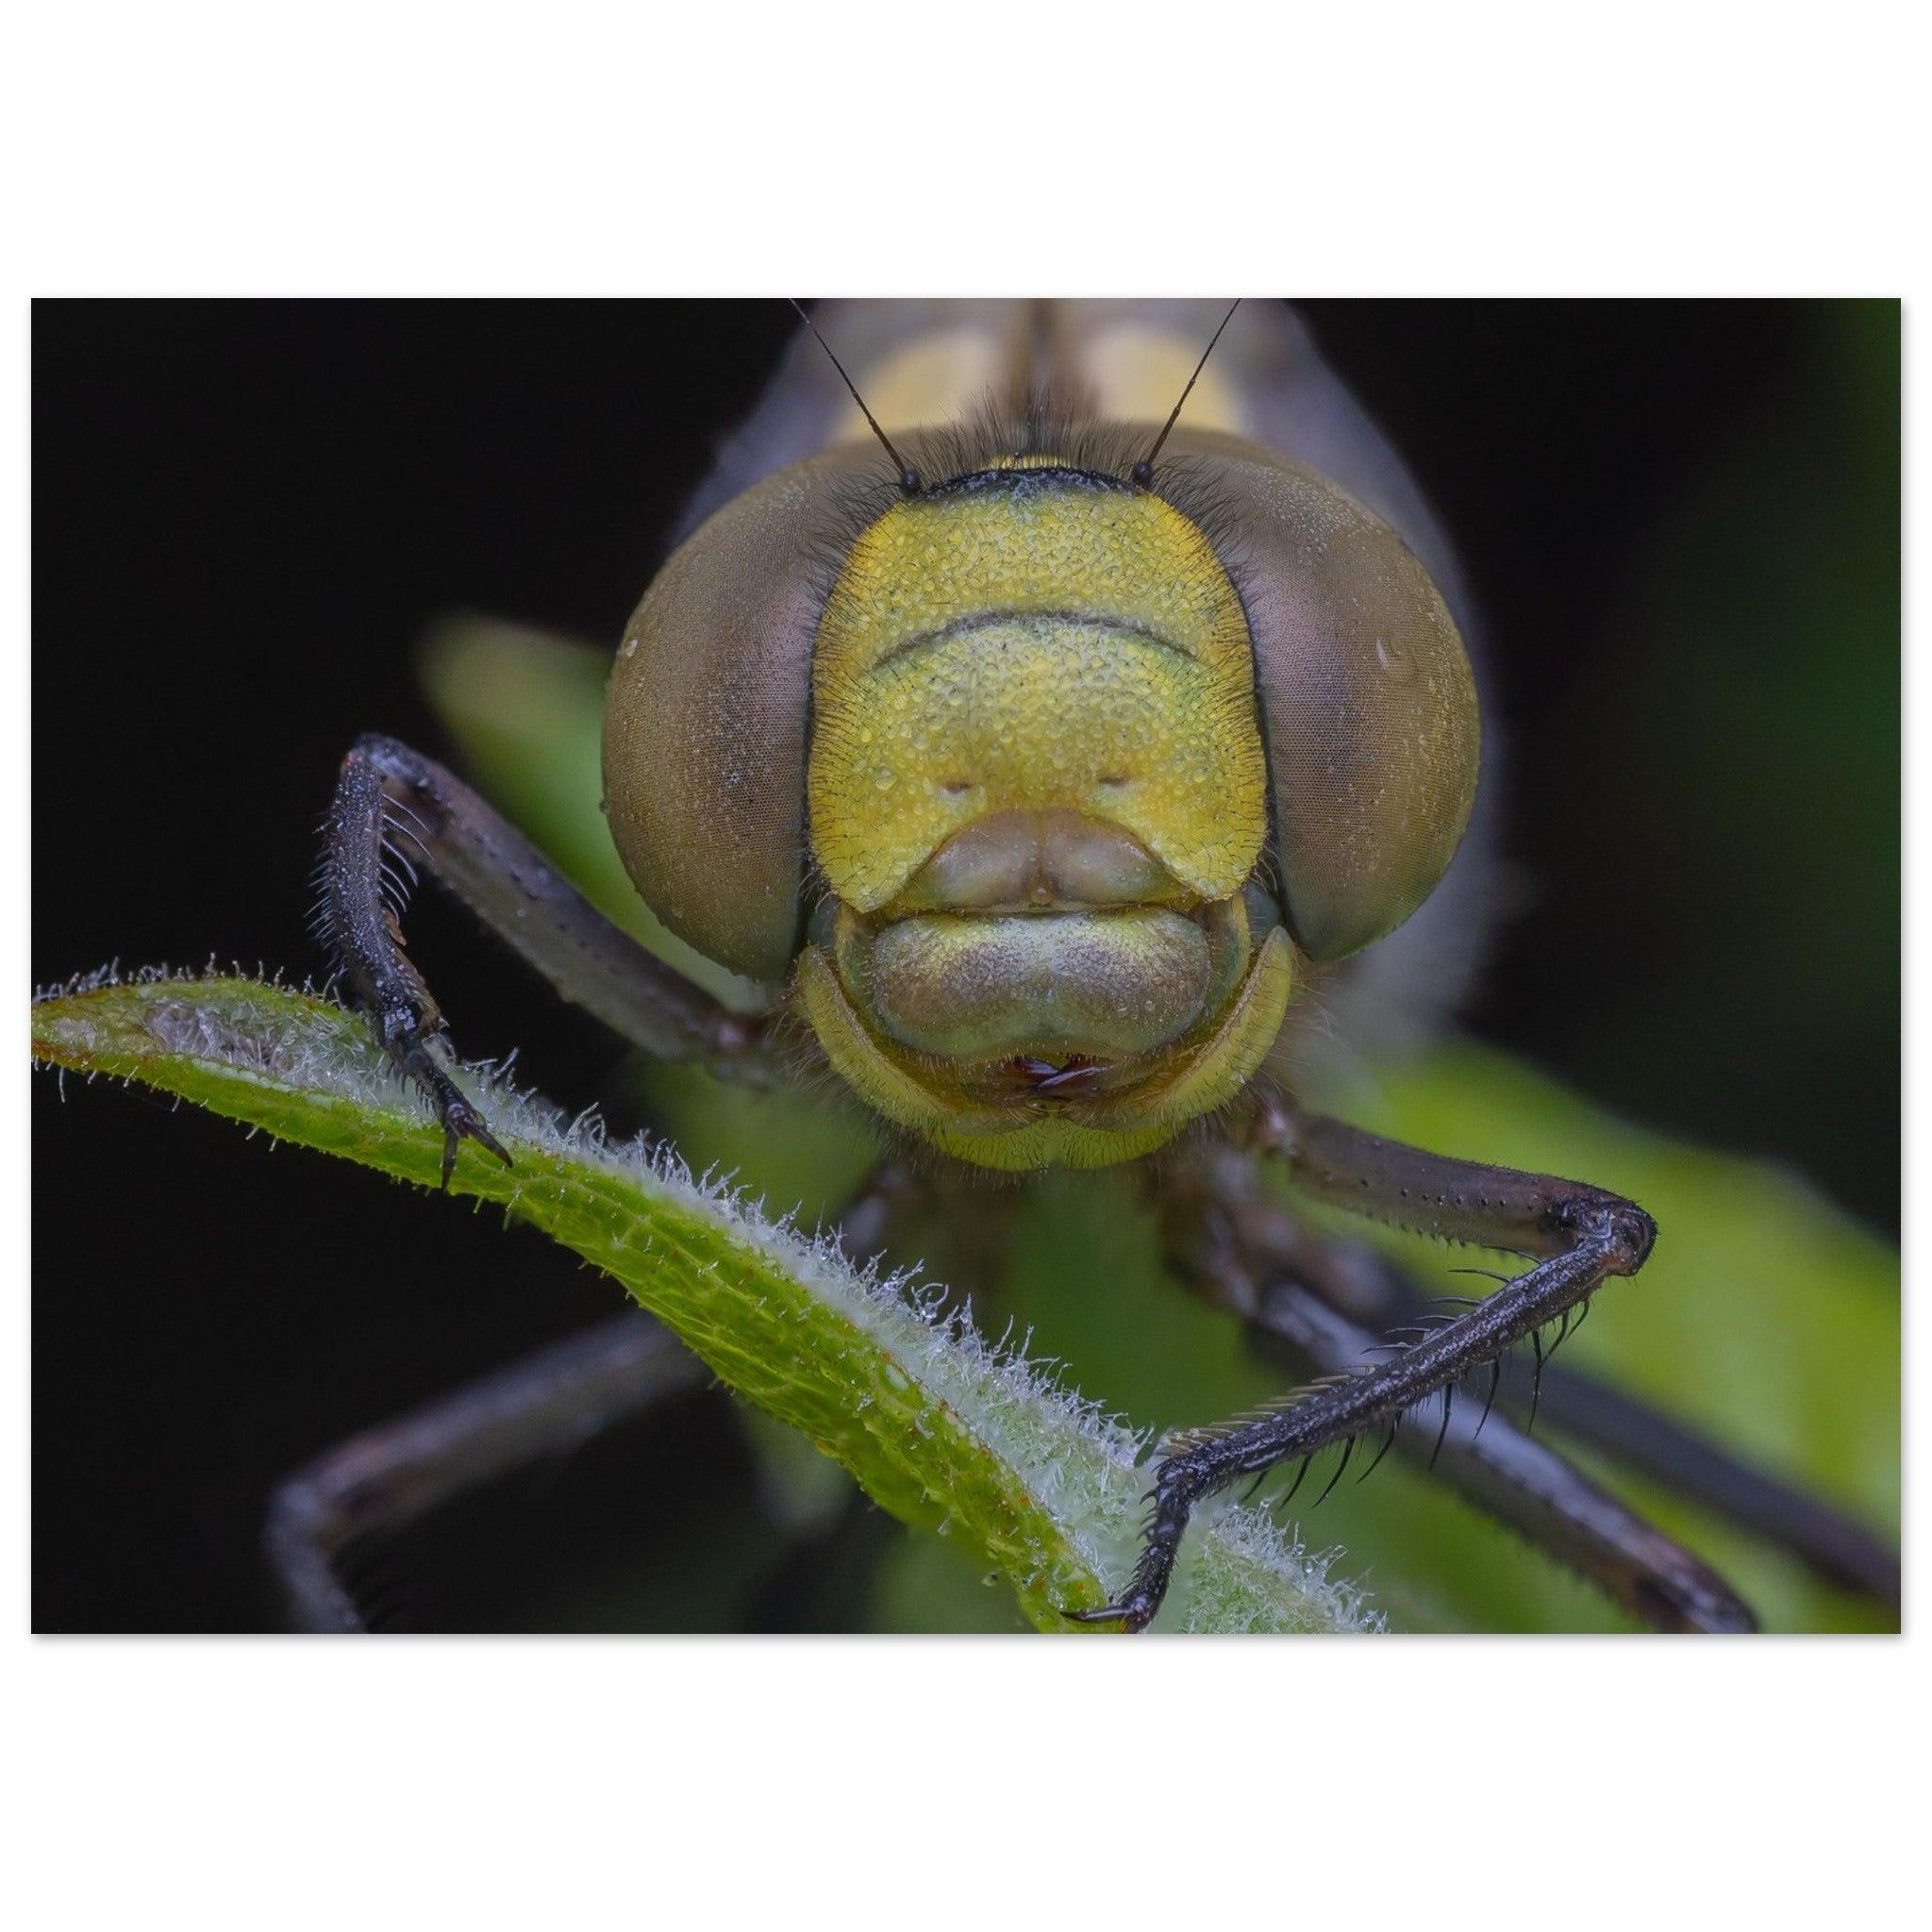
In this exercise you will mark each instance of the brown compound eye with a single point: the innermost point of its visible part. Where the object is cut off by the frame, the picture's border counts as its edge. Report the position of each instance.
(1367, 702)
(707, 712)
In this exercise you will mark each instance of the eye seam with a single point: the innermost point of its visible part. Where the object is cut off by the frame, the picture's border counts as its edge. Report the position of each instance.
(986, 620)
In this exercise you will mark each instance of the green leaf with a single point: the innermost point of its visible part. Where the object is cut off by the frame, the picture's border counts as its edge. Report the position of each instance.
(942, 1430)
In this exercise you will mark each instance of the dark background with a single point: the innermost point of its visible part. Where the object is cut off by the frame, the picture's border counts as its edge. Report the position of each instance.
(1680, 519)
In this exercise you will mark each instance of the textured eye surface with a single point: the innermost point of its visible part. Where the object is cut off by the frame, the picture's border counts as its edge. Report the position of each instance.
(704, 726)
(1368, 702)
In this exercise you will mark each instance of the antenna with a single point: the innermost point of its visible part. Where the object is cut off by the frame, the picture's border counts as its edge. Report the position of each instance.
(1142, 472)
(908, 477)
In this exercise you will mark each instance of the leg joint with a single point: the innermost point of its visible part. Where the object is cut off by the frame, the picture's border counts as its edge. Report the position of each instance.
(1620, 1231)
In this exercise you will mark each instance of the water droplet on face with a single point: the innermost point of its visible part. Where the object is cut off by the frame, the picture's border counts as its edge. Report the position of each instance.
(1394, 660)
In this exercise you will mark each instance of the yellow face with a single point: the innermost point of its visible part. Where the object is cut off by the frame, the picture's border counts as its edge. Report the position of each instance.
(1037, 791)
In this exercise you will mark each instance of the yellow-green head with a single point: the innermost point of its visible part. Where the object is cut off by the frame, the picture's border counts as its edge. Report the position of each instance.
(999, 794)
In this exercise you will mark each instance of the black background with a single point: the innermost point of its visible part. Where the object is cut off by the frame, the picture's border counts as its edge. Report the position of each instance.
(246, 515)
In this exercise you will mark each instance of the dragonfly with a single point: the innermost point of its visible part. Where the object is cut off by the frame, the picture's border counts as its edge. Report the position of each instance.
(1072, 722)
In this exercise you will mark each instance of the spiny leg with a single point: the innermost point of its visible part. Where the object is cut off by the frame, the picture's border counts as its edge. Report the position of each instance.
(1645, 1439)
(1583, 1235)
(1374, 1295)
(1322, 1304)
(394, 808)
(1524, 1483)
(545, 1404)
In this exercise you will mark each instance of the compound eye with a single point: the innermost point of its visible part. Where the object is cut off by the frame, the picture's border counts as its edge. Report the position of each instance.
(706, 719)
(1367, 702)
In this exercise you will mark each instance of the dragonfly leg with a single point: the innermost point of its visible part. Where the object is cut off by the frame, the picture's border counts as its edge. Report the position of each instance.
(1325, 1306)
(1578, 1237)
(1374, 1295)
(1518, 1479)
(545, 1404)
(1643, 1439)
(388, 1476)
(395, 810)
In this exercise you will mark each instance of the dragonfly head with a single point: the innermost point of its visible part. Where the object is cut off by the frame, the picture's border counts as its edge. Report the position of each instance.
(1041, 787)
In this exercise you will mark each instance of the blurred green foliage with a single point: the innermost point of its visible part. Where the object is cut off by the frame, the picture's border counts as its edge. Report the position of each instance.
(1767, 1318)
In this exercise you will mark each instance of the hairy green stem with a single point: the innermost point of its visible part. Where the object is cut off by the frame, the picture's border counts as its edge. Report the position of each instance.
(941, 1428)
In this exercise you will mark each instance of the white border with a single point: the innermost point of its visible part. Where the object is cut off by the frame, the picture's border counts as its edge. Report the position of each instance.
(970, 146)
